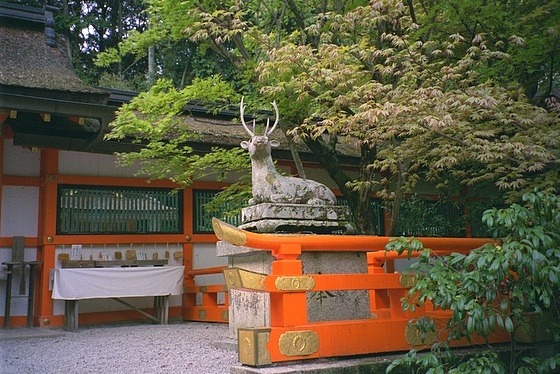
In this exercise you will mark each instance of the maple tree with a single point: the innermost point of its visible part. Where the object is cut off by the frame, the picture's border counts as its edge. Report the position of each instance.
(423, 102)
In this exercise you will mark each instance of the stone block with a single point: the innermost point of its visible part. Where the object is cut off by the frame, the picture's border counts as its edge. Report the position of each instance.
(271, 217)
(251, 309)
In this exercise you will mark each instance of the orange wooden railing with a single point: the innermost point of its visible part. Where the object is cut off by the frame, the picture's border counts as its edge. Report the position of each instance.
(291, 336)
(210, 309)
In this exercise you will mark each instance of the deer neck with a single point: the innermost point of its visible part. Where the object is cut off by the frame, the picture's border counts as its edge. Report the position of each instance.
(264, 163)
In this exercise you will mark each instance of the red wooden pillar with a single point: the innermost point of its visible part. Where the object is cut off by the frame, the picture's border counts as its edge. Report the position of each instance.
(188, 300)
(378, 299)
(47, 236)
(3, 116)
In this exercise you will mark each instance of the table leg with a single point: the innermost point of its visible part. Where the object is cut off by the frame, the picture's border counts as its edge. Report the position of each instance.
(161, 308)
(165, 309)
(71, 315)
(8, 304)
(31, 294)
(157, 309)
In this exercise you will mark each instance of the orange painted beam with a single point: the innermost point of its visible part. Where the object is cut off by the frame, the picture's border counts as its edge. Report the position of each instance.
(124, 239)
(345, 338)
(46, 227)
(97, 317)
(342, 282)
(205, 314)
(14, 180)
(4, 114)
(354, 337)
(7, 132)
(206, 271)
(273, 242)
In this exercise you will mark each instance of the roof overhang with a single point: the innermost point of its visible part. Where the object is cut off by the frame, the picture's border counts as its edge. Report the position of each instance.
(38, 104)
(56, 107)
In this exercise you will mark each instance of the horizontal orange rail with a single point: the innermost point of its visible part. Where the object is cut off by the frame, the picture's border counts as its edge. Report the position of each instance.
(343, 282)
(205, 271)
(358, 243)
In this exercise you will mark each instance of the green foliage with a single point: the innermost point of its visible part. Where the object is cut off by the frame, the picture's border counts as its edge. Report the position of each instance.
(505, 25)
(136, 84)
(421, 108)
(492, 287)
(413, 84)
(228, 202)
(152, 119)
(92, 27)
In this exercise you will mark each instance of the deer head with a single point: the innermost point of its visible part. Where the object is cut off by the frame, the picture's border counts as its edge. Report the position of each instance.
(259, 144)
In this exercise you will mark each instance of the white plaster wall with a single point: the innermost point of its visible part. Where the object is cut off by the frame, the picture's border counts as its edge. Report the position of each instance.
(81, 163)
(204, 256)
(20, 161)
(20, 211)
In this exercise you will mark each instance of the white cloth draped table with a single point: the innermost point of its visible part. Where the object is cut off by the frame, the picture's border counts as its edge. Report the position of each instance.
(94, 283)
(73, 284)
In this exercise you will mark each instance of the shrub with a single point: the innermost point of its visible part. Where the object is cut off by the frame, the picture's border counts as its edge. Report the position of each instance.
(491, 288)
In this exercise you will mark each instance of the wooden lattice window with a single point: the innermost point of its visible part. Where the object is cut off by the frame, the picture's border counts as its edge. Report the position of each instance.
(118, 210)
(202, 219)
(419, 217)
(375, 213)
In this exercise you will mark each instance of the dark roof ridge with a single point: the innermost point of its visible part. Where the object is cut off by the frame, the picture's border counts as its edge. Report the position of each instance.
(43, 16)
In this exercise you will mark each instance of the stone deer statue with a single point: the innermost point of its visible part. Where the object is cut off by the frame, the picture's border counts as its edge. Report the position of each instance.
(268, 185)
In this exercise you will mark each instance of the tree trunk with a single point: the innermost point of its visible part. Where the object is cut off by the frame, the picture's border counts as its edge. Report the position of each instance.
(399, 194)
(358, 200)
(151, 65)
(66, 12)
(295, 155)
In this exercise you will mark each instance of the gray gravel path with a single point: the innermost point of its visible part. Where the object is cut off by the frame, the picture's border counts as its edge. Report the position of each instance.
(185, 347)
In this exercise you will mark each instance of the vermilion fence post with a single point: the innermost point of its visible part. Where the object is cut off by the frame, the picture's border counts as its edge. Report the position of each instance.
(288, 308)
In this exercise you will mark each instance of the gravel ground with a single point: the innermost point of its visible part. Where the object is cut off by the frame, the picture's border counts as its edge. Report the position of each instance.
(185, 347)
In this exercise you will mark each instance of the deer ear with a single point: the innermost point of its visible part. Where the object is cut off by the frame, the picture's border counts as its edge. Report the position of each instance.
(245, 144)
(274, 143)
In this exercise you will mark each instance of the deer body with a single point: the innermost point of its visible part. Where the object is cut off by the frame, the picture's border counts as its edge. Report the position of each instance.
(271, 187)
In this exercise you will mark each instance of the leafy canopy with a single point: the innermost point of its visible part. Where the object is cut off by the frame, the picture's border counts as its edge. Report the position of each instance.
(424, 90)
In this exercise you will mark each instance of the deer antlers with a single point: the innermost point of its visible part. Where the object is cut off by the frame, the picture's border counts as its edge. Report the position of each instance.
(267, 132)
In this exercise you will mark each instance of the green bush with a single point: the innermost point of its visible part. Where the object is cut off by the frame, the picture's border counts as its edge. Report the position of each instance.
(491, 288)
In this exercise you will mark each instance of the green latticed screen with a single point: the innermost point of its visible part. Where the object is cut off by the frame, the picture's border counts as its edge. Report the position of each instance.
(118, 210)
(375, 213)
(441, 218)
(202, 219)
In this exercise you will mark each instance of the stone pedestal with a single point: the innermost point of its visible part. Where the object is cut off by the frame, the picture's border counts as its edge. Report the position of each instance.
(272, 217)
(252, 309)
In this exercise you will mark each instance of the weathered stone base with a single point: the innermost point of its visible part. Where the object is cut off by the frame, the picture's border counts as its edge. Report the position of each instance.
(252, 309)
(269, 217)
